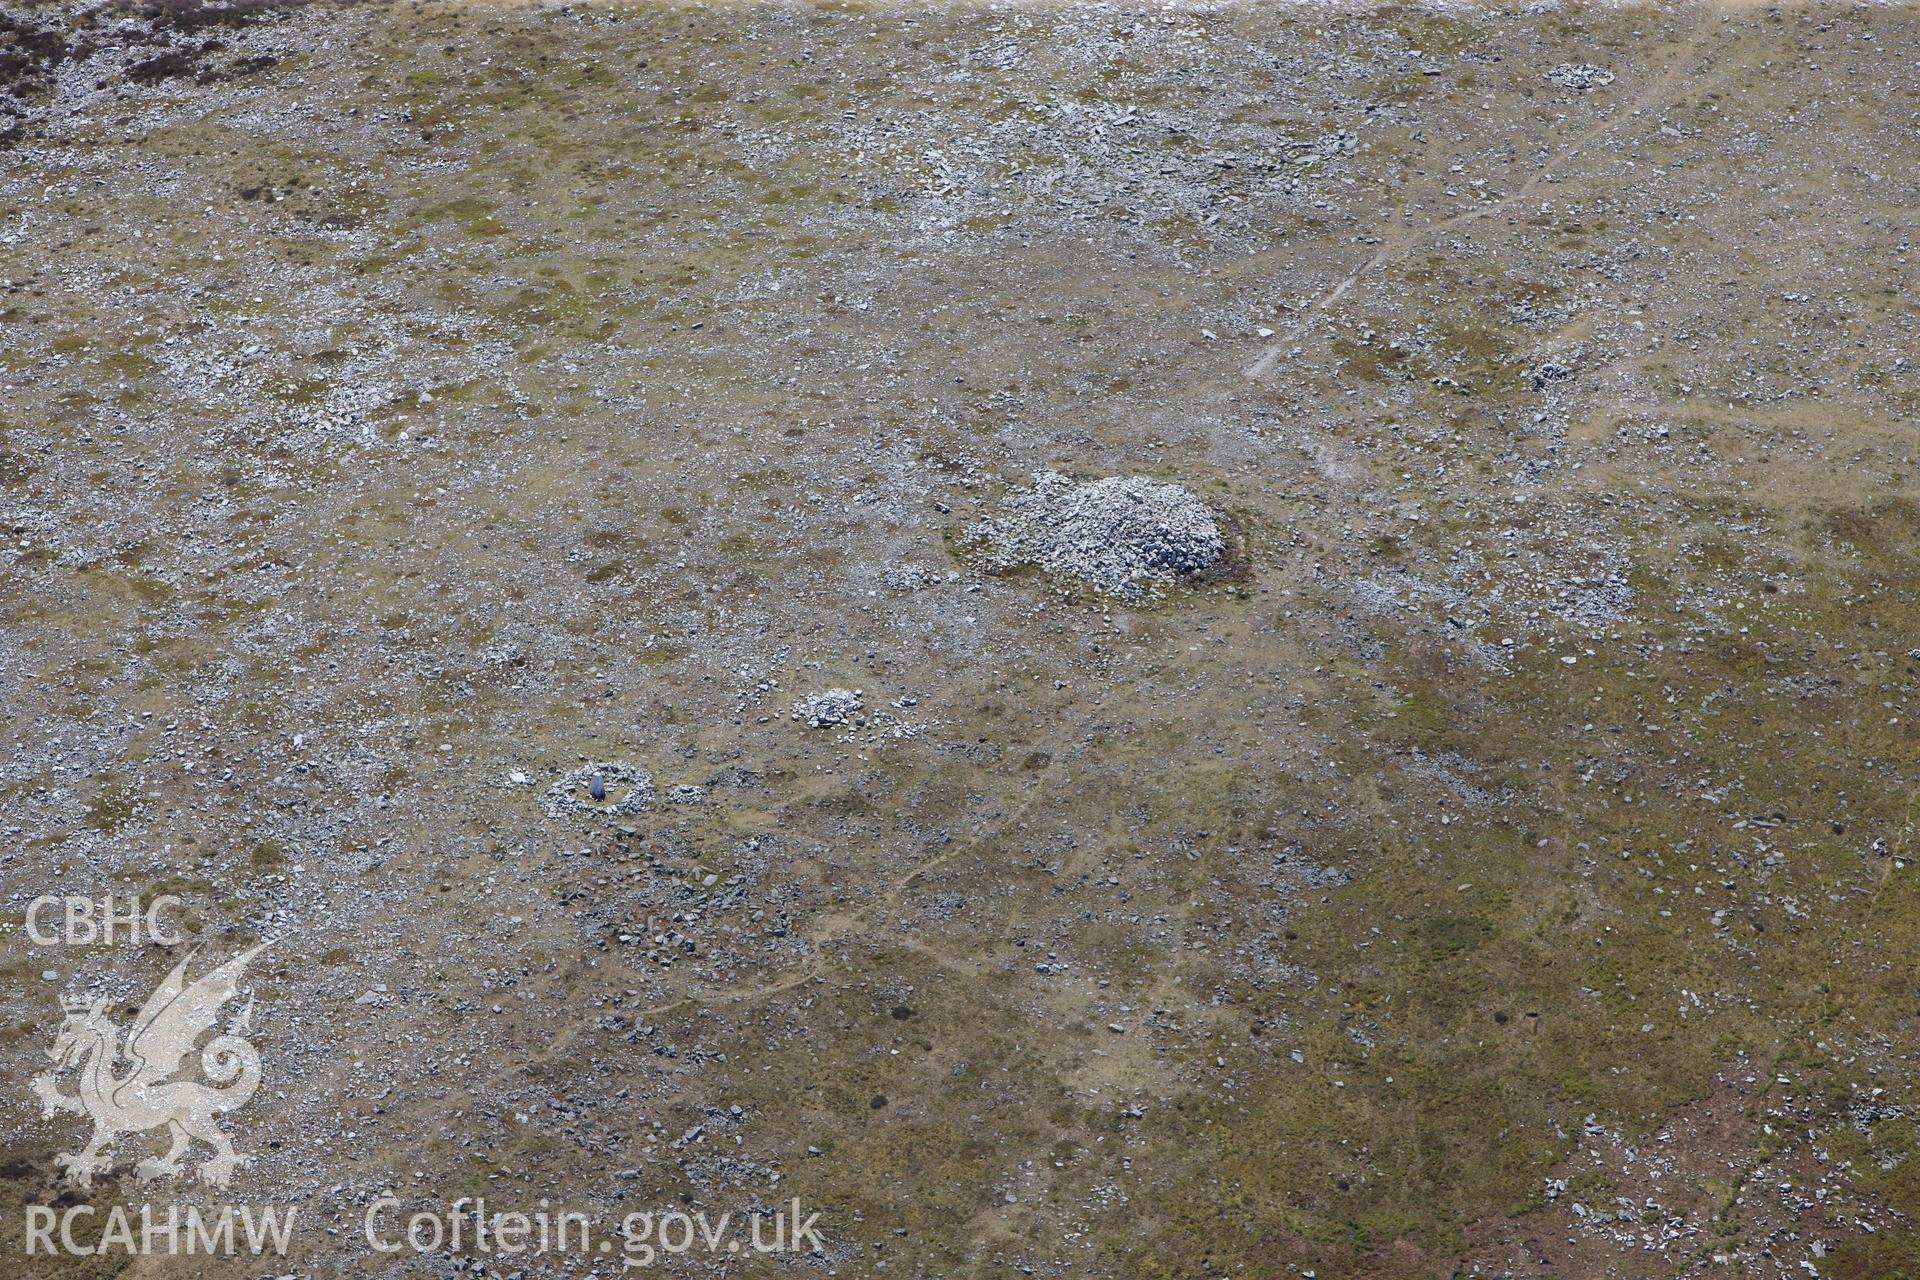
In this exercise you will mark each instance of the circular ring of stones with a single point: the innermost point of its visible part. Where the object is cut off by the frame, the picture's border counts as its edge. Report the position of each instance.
(629, 791)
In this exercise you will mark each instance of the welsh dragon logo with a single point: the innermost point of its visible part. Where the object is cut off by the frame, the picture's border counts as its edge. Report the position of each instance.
(132, 1087)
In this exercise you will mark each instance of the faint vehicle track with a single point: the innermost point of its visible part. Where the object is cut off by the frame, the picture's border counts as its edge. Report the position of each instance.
(833, 928)
(1651, 95)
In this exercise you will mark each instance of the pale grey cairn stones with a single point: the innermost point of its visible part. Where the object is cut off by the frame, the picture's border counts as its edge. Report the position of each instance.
(619, 790)
(1124, 534)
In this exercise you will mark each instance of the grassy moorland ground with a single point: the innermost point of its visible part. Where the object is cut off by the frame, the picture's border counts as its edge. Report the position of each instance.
(1506, 869)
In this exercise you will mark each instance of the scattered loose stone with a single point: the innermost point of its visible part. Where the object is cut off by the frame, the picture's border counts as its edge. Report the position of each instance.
(1123, 534)
(616, 789)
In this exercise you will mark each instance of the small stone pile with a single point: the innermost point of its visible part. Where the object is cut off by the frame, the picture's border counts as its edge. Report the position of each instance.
(1580, 75)
(617, 789)
(825, 710)
(1123, 534)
